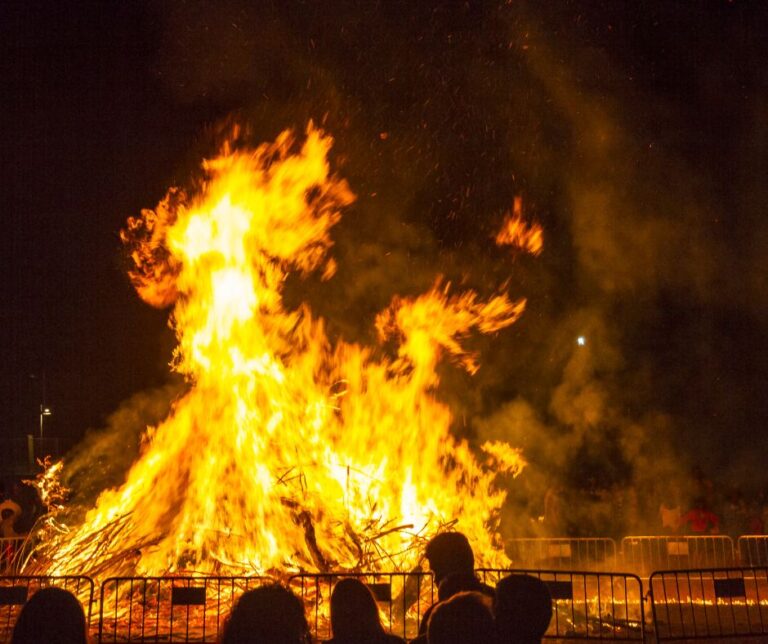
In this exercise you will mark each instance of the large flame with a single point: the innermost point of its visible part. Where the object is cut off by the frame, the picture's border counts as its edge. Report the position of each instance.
(288, 451)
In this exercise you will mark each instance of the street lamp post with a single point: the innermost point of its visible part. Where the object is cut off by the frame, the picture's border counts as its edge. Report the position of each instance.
(44, 411)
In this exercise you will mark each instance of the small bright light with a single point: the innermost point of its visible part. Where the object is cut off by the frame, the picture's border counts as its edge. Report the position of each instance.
(47, 412)
(581, 340)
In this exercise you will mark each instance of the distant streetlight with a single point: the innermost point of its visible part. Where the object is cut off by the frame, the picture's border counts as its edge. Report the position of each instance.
(581, 341)
(44, 411)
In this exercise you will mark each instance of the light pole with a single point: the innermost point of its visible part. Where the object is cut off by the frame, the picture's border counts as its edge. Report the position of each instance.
(44, 411)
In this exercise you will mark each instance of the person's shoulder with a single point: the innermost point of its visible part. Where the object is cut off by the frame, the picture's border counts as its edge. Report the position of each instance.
(487, 590)
(425, 618)
(393, 639)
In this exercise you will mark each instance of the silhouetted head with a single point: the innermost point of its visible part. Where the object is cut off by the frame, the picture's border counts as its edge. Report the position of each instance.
(354, 614)
(458, 582)
(465, 618)
(523, 608)
(449, 552)
(51, 616)
(267, 615)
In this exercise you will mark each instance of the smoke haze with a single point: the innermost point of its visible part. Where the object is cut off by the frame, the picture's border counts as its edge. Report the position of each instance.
(635, 135)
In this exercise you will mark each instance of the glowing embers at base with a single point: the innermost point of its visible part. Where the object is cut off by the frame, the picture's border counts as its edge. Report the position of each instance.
(288, 452)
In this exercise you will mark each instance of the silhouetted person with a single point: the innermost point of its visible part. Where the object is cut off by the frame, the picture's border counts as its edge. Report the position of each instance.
(452, 562)
(448, 553)
(267, 615)
(452, 585)
(458, 582)
(51, 616)
(465, 618)
(523, 609)
(355, 615)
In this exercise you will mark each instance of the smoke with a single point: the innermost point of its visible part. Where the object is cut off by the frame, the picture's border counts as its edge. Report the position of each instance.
(442, 114)
(606, 462)
(103, 457)
(610, 445)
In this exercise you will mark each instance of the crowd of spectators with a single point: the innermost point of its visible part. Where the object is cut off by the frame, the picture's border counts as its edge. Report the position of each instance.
(731, 513)
(692, 506)
(467, 611)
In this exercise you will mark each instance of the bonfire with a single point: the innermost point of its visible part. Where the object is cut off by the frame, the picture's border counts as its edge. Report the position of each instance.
(289, 451)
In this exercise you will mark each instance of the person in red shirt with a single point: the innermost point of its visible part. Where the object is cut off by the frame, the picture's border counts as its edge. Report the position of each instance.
(700, 520)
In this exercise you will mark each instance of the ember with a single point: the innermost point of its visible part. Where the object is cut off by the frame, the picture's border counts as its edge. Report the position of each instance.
(289, 452)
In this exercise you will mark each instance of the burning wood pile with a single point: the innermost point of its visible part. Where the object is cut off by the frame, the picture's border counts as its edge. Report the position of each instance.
(289, 451)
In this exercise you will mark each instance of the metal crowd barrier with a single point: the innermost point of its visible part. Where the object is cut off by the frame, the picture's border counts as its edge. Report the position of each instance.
(715, 603)
(402, 597)
(753, 550)
(588, 605)
(168, 609)
(12, 551)
(15, 591)
(562, 553)
(644, 555)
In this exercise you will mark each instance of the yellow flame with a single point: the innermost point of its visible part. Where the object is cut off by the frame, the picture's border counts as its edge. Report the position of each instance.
(516, 232)
(288, 451)
(52, 493)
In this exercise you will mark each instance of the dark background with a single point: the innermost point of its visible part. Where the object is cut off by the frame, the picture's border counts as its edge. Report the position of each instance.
(635, 132)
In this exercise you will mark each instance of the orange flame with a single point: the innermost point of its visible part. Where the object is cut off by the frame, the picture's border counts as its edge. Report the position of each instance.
(288, 452)
(516, 232)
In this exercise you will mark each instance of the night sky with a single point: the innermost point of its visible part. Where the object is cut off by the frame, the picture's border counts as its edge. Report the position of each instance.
(636, 133)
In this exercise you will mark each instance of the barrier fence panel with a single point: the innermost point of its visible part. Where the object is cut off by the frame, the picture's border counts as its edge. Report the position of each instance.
(562, 553)
(644, 555)
(12, 551)
(588, 605)
(715, 603)
(168, 609)
(753, 550)
(402, 597)
(16, 590)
